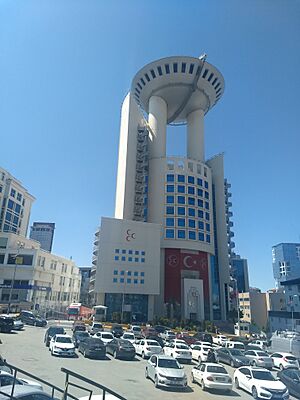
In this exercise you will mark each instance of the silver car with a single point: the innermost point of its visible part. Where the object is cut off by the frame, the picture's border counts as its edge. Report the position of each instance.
(165, 371)
(259, 358)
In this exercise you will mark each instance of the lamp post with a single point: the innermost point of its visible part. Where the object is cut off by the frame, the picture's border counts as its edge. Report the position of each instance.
(292, 309)
(123, 296)
(237, 305)
(20, 246)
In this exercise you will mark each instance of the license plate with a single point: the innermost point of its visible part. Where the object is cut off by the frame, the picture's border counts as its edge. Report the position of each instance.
(220, 379)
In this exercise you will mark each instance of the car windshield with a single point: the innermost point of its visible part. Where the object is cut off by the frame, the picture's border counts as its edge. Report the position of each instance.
(128, 336)
(262, 354)
(55, 331)
(63, 339)
(82, 334)
(291, 358)
(107, 336)
(263, 375)
(97, 326)
(152, 343)
(239, 346)
(216, 369)
(165, 363)
(236, 352)
(182, 346)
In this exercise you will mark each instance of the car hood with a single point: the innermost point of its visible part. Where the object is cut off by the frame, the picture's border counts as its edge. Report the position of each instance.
(64, 345)
(176, 373)
(241, 359)
(275, 385)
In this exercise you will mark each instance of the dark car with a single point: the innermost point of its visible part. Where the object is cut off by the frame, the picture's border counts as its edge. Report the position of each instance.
(52, 331)
(80, 336)
(117, 331)
(6, 324)
(291, 378)
(158, 339)
(27, 317)
(78, 326)
(160, 328)
(92, 347)
(233, 357)
(203, 337)
(120, 348)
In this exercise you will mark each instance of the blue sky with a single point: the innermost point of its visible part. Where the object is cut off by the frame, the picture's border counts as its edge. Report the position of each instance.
(66, 67)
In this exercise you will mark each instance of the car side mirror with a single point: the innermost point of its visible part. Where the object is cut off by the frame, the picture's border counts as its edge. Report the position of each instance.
(248, 376)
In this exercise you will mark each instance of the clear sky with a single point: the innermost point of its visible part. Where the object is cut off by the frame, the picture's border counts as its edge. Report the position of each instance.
(66, 66)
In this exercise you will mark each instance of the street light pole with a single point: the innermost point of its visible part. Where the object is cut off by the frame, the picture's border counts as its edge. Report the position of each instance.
(123, 297)
(20, 246)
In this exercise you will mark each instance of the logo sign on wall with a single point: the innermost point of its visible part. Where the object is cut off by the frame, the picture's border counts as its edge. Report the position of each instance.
(130, 235)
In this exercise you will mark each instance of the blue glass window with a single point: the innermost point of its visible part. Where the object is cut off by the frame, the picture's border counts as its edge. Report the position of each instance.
(199, 181)
(200, 214)
(206, 185)
(116, 258)
(128, 280)
(180, 188)
(192, 235)
(181, 199)
(206, 194)
(200, 225)
(191, 201)
(123, 251)
(170, 210)
(191, 179)
(192, 223)
(136, 259)
(129, 258)
(170, 178)
(10, 204)
(142, 273)
(123, 258)
(208, 238)
(201, 236)
(143, 253)
(136, 273)
(142, 281)
(142, 260)
(191, 212)
(137, 252)
(122, 272)
(19, 197)
(207, 205)
(12, 192)
(8, 216)
(115, 272)
(170, 233)
(17, 208)
(169, 221)
(129, 273)
(117, 251)
(181, 178)
(135, 281)
(170, 188)
(200, 192)
(122, 280)
(181, 222)
(170, 199)
(115, 280)
(207, 216)
(181, 234)
(191, 190)
(200, 203)
(180, 210)
(129, 251)
(208, 227)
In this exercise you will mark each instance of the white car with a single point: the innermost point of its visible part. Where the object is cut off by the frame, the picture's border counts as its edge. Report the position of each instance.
(147, 347)
(168, 335)
(284, 360)
(106, 337)
(260, 383)
(7, 379)
(262, 344)
(62, 345)
(128, 336)
(200, 351)
(199, 343)
(180, 351)
(220, 340)
(136, 329)
(212, 376)
(165, 371)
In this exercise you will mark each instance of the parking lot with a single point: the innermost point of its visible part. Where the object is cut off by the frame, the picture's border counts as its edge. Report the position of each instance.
(26, 350)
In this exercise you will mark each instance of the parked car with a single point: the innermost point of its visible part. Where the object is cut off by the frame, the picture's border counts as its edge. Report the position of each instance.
(168, 335)
(92, 347)
(160, 329)
(262, 344)
(291, 379)
(78, 326)
(229, 344)
(252, 347)
(106, 337)
(158, 339)
(259, 358)
(136, 329)
(117, 330)
(24, 392)
(203, 337)
(220, 339)
(6, 324)
(186, 337)
(260, 383)
(120, 348)
(18, 324)
(9, 379)
(200, 351)
(52, 331)
(128, 336)
(179, 351)
(284, 360)
(62, 345)
(212, 376)
(27, 317)
(95, 327)
(149, 331)
(146, 348)
(233, 357)
(79, 336)
(165, 371)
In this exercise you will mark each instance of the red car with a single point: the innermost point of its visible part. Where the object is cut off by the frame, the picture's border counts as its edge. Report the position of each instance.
(149, 331)
(186, 337)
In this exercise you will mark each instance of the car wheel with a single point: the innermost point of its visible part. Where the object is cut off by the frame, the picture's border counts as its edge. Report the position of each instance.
(146, 373)
(254, 393)
(203, 385)
(232, 363)
(156, 384)
(193, 379)
(281, 367)
(236, 382)
(253, 363)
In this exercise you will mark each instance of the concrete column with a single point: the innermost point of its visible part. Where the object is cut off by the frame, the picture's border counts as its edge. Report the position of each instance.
(195, 135)
(158, 123)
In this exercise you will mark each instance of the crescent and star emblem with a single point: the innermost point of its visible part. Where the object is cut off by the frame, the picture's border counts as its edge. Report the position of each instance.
(130, 235)
(189, 264)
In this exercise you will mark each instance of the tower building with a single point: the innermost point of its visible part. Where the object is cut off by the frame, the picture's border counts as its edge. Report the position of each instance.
(43, 232)
(184, 196)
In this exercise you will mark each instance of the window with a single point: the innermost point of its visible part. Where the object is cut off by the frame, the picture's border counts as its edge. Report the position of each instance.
(201, 236)
(115, 280)
(12, 192)
(192, 223)
(170, 210)
(181, 222)
(170, 165)
(170, 199)
(181, 234)
(191, 201)
(170, 188)
(122, 280)
(170, 178)
(191, 212)
(142, 273)
(208, 238)
(206, 185)
(191, 179)
(10, 204)
(207, 227)
(116, 258)
(192, 235)
(200, 203)
(130, 251)
(123, 258)
(181, 178)
(128, 280)
(135, 281)
(199, 182)
(206, 205)
(181, 199)
(180, 188)
(135, 273)
(190, 166)
(207, 216)
(117, 251)
(180, 210)
(142, 281)
(122, 272)
(170, 233)
(19, 197)
(200, 192)
(191, 190)
(200, 214)
(206, 195)
(129, 258)
(169, 221)
(142, 260)
(137, 252)
(136, 259)
(123, 251)
(200, 225)
(143, 253)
